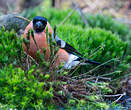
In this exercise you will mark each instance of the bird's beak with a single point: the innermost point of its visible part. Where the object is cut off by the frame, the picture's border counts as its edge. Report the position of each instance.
(38, 25)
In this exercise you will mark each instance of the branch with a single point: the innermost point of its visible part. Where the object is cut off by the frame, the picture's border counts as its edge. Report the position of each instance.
(68, 16)
(31, 58)
(80, 12)
(120, 97)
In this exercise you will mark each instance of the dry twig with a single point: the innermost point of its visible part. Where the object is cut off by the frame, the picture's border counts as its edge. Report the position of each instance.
(68, 16)
(31, 58)
(120, 97)
(80, 12)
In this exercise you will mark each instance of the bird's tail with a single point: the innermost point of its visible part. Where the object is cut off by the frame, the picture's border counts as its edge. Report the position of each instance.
(92, 62)
(95, 63)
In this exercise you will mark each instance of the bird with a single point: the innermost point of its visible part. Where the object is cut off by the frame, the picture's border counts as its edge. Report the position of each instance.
(66, 53)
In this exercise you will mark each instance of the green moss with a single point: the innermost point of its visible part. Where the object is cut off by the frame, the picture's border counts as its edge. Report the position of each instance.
(87, 41)
(107, 23)
(23, 90)
(10, 48)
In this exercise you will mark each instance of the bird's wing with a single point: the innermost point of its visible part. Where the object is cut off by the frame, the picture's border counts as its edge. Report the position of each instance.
(62, 44)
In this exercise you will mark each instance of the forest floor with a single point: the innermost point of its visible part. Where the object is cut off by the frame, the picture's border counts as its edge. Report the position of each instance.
(120, 9)
(117, 8)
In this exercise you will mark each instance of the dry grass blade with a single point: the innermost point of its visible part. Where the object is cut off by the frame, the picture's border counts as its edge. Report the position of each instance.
(80, 12)
(67, 17)
(78, 88)
(31, 58)
(85, 74)
(120, 97)
(97, 50)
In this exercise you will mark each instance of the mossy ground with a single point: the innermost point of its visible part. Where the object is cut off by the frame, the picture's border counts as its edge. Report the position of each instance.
(104, 41)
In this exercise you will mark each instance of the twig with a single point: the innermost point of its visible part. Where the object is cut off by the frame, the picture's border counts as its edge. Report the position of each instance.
(97, 50)
(31, 58)
(97, 79)
(104, 78)
(94, 68)
(76, 67)
(111, 73)
(80, 12)
(60, 101)
(28, 65)
(120, 97)
(23, 18)
(113, 95)
(68, 16)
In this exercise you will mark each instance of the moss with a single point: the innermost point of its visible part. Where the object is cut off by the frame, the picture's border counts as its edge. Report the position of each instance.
(10, 48)
(87, 41)
(32, 88)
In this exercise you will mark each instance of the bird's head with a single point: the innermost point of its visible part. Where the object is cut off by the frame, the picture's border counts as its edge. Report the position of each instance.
(39, 24)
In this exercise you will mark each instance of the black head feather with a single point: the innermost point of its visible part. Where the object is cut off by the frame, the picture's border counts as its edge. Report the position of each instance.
(39, 24)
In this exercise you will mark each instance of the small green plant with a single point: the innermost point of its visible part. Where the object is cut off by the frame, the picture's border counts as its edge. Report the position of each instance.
(107, 23)
(24, 90)
(10, 48)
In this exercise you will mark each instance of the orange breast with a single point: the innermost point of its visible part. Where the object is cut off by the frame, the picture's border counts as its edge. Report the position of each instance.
(62, 57)
(41, 41)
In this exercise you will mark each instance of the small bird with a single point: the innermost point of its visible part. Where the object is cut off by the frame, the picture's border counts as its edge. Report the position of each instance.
(66, 53)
